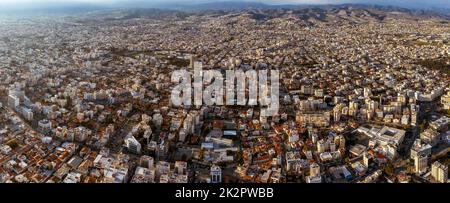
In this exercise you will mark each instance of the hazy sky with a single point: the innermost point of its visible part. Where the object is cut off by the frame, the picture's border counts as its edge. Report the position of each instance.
(408, 3)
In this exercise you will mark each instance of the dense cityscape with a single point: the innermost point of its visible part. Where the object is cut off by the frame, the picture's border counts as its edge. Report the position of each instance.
(364, 97)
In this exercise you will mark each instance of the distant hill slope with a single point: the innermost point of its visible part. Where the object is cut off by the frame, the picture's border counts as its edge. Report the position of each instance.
(260, 12)
(353, 10)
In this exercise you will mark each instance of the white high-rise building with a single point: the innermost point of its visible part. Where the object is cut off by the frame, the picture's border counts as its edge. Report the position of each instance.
(216, 174)
(419, 148)
(367, 92)
(321, 146)
(366, 159)
(27, 113)
(420, 164)
(314, 137)
(314, 174)
(45, 126)
(341, 139)
(13, 101)
(314, 170)
(332, 147)
(439, 172)
(132, 144)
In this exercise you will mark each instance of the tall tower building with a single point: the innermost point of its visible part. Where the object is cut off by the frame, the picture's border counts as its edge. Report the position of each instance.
(321, 146)
(439, 172)
(366, 159)
(314, 174)
(341, 142)
(420, 164)
(216, 174)
(191, 62)
(314, 170)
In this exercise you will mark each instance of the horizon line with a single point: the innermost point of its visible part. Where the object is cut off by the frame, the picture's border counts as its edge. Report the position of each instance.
(184, 6)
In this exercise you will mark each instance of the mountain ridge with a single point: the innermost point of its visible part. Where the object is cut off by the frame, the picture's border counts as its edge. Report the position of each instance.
(235, 6)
